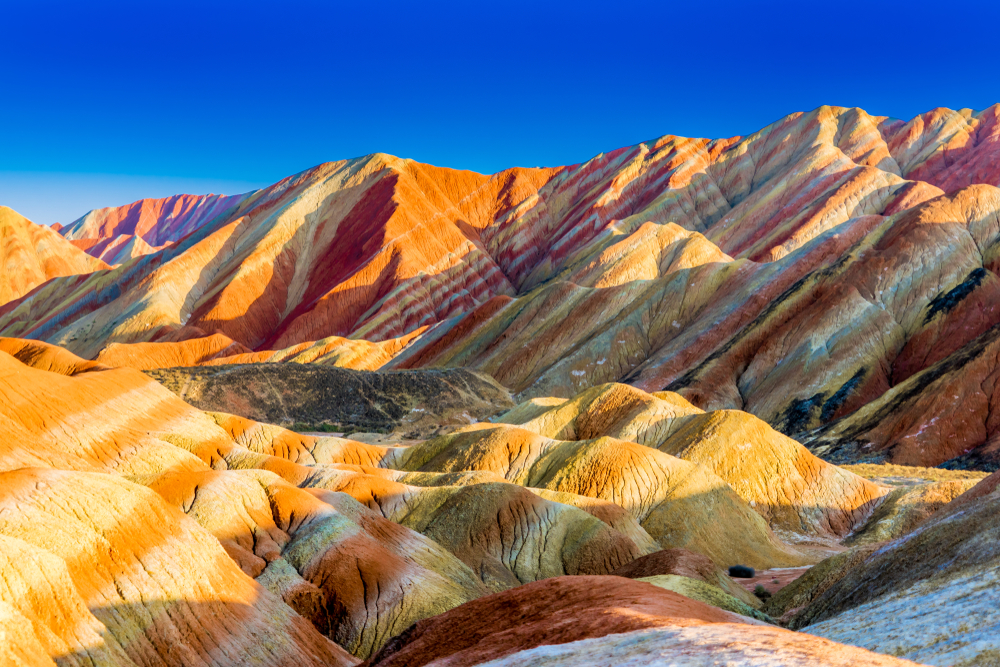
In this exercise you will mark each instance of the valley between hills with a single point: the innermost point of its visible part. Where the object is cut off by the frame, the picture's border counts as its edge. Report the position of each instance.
(393, 414)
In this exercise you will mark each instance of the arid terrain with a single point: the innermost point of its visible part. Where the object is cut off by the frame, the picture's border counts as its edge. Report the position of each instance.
(393, 414)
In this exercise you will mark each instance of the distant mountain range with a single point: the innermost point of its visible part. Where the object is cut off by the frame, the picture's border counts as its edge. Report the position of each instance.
(834, 273)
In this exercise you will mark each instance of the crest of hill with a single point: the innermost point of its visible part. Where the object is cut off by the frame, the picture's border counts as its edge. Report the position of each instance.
(147, 356)
(119, 233)
(676, 502)
(793, 489)
(220, 350)
(31, 254)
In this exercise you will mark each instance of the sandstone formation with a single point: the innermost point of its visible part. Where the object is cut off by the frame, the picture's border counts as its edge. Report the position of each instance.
(926, 596)
(106, 573)
(414, 401)
(31, 254)
(829, 260)
(695, 332)
(568, 616)
(793, 489)
(669, 497)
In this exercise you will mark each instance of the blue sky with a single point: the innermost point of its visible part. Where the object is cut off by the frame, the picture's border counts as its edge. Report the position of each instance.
(106, 102)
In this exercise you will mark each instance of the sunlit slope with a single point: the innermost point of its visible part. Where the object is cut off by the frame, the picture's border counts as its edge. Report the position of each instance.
(31, 254)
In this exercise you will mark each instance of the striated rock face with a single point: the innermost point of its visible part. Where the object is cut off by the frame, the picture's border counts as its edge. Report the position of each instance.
(793, 489)
(671, 499)
(147, 356)
(107, 573)
(31, 254)
(828, 261)
(119, 233)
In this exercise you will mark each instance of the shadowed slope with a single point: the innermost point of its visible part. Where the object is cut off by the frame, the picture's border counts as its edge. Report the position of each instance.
(928, 595)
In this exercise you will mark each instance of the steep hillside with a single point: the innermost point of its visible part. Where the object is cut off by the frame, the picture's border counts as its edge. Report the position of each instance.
(31, 254)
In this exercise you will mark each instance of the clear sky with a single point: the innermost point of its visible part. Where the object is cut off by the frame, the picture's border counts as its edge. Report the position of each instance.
(102, 103)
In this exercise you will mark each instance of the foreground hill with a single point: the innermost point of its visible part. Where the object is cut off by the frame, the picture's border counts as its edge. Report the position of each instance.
(161, 534)
(798, 273)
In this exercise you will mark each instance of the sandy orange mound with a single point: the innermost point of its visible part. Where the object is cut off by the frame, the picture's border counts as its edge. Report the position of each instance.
(191, 352)
(105, 571)
(793, 489)
(113, 420)
(46, 357)
(558, 612)
(615, 410)
(30, 254)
